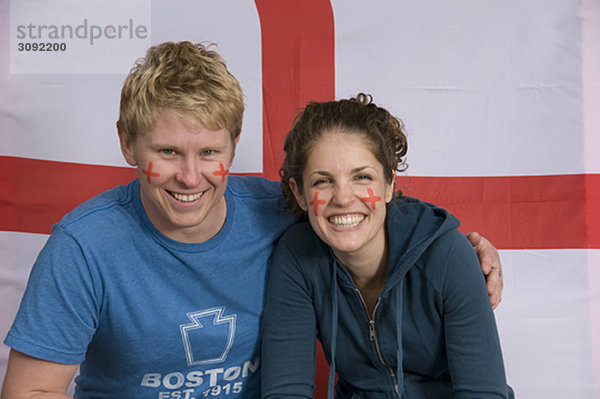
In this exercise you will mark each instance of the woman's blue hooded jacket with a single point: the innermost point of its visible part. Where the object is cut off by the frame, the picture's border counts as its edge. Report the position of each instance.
(432, 333)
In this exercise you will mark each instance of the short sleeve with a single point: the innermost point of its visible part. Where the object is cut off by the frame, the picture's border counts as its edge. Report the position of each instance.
(60, 308)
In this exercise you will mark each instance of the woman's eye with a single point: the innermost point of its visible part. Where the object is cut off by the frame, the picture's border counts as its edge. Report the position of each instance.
(320, 181)
(364, 177)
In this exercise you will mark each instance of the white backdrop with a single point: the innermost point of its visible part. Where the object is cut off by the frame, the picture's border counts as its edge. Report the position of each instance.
(501, 101)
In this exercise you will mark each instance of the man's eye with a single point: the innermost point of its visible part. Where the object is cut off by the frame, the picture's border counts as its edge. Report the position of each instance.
(208, 152)
(167, 151)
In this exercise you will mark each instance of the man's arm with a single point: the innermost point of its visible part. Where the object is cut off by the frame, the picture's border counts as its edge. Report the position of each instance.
(490, 265)
(31, 378)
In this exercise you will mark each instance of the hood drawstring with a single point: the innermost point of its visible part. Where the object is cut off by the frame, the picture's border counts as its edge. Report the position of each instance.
(334, 321)
(400, 351)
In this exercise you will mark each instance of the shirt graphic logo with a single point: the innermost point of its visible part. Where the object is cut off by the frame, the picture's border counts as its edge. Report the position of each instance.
(209, 337)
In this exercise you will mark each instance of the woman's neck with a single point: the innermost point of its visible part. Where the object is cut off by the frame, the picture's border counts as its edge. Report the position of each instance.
(368, 271)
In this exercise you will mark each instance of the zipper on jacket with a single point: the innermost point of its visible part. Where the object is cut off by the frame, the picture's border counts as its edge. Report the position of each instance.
(373, 336)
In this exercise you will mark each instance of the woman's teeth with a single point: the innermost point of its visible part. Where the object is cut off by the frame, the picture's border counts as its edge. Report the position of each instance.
(346, 221)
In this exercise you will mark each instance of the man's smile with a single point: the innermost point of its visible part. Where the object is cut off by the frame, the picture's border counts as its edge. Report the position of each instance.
(186, 197)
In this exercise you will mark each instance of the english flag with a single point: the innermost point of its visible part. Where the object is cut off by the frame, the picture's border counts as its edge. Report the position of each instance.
(501, 101)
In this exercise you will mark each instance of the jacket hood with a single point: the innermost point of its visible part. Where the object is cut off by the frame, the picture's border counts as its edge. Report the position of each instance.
(423, 223)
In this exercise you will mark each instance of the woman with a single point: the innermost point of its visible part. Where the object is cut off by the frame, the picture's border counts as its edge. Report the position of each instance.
(389, 286)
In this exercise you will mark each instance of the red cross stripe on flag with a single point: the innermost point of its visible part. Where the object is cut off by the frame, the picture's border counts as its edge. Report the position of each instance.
(506, 184)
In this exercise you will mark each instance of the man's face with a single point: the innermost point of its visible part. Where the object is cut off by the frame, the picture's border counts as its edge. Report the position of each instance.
(183, 169)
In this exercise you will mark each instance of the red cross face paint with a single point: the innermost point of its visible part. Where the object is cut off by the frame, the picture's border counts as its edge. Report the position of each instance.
(221, 172)
(182, 167)
(339, 170)
(316, 202)
(149, 173)
(372, 199)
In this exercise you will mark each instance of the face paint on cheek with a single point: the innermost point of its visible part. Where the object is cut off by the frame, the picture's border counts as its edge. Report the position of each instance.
(316, 202)
(148, 172)
(221, 172)
(371, 198)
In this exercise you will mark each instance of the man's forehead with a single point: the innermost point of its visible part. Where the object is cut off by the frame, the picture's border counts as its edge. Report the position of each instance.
(191, 121)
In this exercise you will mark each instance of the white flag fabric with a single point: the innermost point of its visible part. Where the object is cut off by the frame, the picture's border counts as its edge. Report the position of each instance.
(501, 103)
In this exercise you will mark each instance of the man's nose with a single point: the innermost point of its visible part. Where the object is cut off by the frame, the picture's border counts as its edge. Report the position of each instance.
(189, 172)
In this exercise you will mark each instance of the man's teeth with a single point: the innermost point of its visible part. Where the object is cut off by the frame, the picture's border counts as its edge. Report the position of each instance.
(185, 197)
(346, 221)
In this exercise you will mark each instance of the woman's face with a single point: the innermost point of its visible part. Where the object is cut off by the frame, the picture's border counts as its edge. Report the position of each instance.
(344, 193)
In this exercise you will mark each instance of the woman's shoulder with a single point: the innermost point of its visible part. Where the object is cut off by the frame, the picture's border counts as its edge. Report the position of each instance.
(300, 238)
(405, 205)
(449, 257)
(300, 246)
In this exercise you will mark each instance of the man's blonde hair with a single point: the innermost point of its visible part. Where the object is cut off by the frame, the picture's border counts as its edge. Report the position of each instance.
(184, 77)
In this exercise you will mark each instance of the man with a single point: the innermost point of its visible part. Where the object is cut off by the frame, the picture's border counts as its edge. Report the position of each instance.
(155, 290)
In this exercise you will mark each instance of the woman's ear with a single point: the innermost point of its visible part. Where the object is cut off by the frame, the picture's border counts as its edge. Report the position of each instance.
(389, 189)
(297, 194)
(127, 147)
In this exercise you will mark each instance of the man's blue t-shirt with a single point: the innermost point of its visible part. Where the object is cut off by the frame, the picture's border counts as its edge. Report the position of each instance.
(146, 316)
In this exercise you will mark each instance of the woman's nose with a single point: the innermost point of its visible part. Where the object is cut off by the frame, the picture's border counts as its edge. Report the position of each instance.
(343, 195)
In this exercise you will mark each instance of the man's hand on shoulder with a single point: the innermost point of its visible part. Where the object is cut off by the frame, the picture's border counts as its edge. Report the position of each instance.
(490, 265)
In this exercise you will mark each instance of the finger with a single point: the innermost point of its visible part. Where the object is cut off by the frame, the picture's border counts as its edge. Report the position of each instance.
(493, 280)
(474, 237)
(495, 300)
(487, 253)
(494, 286)
(496, 297)
(489, 256)
(496, 268)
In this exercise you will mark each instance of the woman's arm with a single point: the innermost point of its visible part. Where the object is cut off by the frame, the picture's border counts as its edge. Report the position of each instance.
(28, 377)
(473, 347)
(288, 331)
